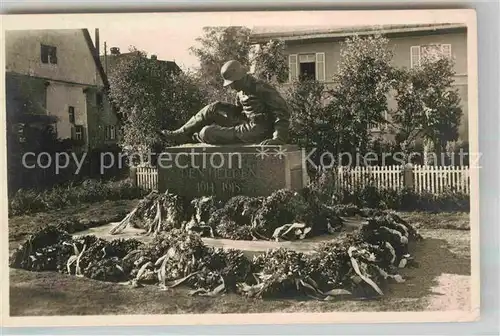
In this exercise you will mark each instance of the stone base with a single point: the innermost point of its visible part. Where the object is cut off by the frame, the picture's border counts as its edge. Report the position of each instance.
(230, 170)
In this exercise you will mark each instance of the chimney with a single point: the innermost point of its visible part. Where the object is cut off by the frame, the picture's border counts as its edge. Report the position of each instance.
(154, 57)
(115, 51)
(97, 43)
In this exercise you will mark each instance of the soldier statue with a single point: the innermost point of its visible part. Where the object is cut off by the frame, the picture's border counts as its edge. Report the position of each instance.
(259, 116)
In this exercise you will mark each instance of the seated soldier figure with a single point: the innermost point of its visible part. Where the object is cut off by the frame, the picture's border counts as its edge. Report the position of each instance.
(260, 115)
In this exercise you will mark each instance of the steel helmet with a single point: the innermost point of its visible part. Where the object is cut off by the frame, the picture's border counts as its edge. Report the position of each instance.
(232, 71)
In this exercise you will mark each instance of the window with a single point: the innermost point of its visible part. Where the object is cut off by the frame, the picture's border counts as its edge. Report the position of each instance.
(415, 56)
(307, 66)
(110, 132)
(77, 132)
(71, 113)
(432, 51)
(48, 54)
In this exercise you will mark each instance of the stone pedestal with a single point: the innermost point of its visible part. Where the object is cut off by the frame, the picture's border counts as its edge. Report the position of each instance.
(230, 170)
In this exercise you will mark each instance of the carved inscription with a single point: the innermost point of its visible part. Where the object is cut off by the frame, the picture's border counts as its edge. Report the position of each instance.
(220, 181)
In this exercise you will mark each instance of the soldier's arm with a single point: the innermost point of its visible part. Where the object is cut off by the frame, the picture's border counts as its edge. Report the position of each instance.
(233, 109)
(279, 109)
(238, 104)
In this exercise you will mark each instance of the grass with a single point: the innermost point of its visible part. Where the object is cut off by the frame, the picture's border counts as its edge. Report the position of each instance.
(30, 201)
(442, 220)
(104, 212)
(439, 283)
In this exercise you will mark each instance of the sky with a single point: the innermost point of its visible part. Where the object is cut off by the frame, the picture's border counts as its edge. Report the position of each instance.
(170, 35)
(170, 44)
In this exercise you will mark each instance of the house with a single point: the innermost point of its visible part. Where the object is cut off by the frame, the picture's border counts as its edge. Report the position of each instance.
(315, 51)
(58, 74)
(115, 56)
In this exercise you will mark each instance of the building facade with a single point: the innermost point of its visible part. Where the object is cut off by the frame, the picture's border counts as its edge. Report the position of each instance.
(58, 73)
(316, 52)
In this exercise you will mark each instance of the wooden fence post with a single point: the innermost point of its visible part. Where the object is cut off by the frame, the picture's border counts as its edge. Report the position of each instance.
(133, 176)
(408, 176)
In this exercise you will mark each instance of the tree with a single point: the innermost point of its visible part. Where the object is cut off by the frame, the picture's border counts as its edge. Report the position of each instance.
(362, 84)
(217, 46)
(151, 97)
(428, 107)
(310, 122)
(335, 121)
(271, 62)
(315, 124)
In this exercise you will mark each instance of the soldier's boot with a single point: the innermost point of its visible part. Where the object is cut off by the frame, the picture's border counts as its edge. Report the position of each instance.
(185, 132)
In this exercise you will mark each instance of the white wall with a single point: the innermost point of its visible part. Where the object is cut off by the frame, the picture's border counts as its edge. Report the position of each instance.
(59, 98)
(74, 59)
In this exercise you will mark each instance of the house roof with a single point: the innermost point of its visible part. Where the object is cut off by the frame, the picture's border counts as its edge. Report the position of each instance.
(96, 58)
(301, 33)
(100, 69)
(111, 61)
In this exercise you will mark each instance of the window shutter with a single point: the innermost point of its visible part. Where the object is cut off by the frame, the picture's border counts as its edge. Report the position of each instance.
(73, 132)
(292, 64)
(53, 55)
(446, 50)
(414, 56)
(44, 54)
(320, 67)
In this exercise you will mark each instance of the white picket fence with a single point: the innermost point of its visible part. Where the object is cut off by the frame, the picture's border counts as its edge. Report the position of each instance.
(433, 179)
(382, 177)
(147, 177)
(437, 179)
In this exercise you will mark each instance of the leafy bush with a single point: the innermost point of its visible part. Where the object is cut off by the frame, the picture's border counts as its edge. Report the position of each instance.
(30, 201)
(404, 199)
(313, 123)
(26, 201)
(428, 106)
(151, 96)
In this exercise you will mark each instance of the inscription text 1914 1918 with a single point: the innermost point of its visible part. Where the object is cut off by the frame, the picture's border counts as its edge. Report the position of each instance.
(218, 187)
(220, 180)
